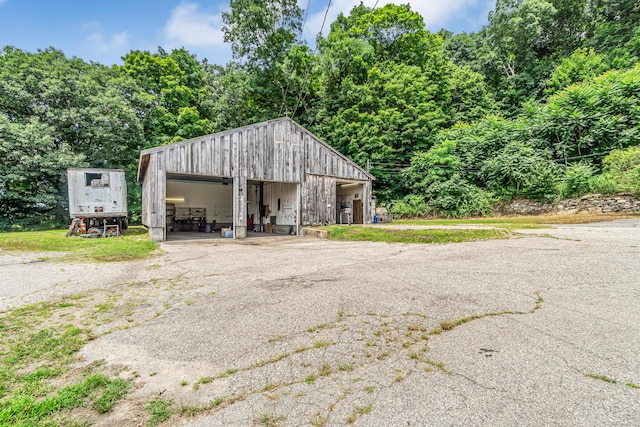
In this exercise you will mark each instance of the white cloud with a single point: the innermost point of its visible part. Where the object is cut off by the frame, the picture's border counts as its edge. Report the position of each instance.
(115, 42)
(193, 27)
(435, 13)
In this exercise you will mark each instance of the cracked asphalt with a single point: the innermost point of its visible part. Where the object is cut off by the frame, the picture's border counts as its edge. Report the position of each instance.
(299, 331)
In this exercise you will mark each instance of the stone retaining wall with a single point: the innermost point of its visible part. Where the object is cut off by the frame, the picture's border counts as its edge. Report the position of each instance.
(592, 203)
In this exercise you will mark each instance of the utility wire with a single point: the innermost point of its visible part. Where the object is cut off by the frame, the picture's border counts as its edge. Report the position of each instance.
(315, 48)
(326, 12)
(304, 22)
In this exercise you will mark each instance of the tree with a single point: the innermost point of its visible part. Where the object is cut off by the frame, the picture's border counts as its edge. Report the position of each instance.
(59, 112)
(261, 32)
(470, 97)
(516, 50)
(174, 102)
(581, 65)
(32, 167)
(593, 117)
(263, 37)
(383, 88)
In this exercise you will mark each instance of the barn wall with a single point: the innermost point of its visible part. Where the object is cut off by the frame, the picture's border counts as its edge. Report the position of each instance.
(368, 210)
(318, 200)
(153, 198)
(322, 160)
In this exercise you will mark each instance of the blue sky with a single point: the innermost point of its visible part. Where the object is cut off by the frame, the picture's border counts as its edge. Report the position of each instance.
(105, 30)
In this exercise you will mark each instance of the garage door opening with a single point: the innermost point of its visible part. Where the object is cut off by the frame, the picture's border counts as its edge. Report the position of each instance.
(272, 207)
(198, 205)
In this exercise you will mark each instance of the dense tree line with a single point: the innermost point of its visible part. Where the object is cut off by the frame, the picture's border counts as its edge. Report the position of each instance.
(542, 102)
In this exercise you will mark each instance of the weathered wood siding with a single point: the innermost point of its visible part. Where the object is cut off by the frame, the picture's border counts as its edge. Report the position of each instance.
(323, 160)
(154, 190)
(277, 151)
(110, 199)
(318, 200)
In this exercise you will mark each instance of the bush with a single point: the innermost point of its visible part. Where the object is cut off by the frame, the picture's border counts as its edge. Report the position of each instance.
(457, 198)
(411, 206)
(576, 179)
(603, 184)
(622, 167)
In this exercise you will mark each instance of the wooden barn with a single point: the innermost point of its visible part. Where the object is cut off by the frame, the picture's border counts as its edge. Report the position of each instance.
(273, 176)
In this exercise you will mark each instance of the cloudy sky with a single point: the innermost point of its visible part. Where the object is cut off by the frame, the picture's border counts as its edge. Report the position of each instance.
(104, 31)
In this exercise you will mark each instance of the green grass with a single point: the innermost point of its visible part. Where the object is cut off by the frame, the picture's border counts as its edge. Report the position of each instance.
(160, 410)
(133, 245)
(603, 378)
(522, 222)
(507, 223)
(373, 234)
(37, 351)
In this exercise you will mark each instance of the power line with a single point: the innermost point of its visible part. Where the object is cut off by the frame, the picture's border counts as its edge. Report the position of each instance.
(314, 50)
(326, 12)
(304, 22)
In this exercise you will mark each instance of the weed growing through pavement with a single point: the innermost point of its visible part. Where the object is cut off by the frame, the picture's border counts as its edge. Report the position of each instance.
(600, 377)
(368, 339)
(269, 420)
(160, 410)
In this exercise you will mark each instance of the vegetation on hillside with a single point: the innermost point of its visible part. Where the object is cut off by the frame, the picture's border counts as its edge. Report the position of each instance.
(542, 102)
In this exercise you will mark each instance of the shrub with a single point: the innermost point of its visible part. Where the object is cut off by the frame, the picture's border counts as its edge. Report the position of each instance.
(411, 206)
(622, 167)
(457, 198)
(575, 181)
(603, 184)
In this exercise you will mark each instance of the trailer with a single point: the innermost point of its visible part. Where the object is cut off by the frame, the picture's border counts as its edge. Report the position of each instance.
(97, 201)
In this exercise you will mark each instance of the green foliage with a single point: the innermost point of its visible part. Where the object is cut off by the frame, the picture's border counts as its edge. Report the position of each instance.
(519, 170)
(622, 168)
(173, 97)
(581, 65)
(438, 164)
(470, 98)
(458, 198)
(576, 180)
(411, 206)
(57, 112)
(593, 117)
(383, 87)
(31, 167)
(603, 184)
(261, 31)
(517, 41)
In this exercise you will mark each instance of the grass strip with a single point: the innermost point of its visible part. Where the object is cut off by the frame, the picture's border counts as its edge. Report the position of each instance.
(522, 222)
(373, 234)
(133, 245)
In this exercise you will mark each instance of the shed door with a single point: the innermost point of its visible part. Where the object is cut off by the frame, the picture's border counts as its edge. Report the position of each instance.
(357, 211)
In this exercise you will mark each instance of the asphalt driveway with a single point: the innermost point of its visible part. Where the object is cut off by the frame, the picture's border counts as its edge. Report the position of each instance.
(537, 330)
